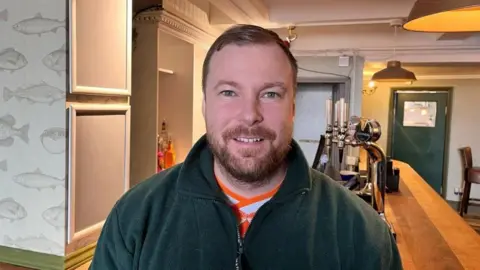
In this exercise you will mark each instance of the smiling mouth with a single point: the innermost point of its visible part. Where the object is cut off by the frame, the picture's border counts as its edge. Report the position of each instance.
(248, 140)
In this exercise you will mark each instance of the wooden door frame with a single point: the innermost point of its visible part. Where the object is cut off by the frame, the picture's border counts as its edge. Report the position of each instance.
(423, 90)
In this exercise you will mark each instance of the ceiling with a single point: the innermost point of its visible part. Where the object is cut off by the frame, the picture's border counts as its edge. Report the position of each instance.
(317, 15)
(339, 26)
(324, 12)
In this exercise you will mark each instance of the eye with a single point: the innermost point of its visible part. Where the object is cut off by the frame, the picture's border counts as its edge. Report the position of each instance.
(228, 93)
(271, 95)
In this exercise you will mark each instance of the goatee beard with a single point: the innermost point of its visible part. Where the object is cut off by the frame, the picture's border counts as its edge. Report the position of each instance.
(248, 169)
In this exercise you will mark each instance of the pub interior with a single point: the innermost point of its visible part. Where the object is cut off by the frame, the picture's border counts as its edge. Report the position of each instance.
(100, 95)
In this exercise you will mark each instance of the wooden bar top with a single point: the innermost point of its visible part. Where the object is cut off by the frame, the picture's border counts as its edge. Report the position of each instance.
(430, 234)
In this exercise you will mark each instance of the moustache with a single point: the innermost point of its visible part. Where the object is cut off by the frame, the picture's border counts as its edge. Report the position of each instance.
(258, 132)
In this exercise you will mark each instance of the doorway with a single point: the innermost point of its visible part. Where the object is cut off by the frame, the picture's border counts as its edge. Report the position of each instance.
(419, 121)
(310, 116)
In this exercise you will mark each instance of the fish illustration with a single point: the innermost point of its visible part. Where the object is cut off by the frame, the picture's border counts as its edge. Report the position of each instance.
(38, 180)
(12, 60)
(4, 165)
(54, 140)
(8, 131)
(55, 216)
(56, 60)
(38, 93)
(4, 15)
(38, 25)
(11, 210)
(35, 243)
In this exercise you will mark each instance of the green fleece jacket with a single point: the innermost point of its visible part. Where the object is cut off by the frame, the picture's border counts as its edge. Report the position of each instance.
(180, 219)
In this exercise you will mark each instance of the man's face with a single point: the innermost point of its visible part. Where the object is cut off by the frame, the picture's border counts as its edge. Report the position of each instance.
(249, 109)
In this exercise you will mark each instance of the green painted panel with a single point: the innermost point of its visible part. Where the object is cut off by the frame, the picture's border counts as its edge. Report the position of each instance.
(31, 259)
(419, 138)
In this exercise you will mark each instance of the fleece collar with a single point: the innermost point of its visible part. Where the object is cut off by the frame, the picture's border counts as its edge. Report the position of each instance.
(196, 177)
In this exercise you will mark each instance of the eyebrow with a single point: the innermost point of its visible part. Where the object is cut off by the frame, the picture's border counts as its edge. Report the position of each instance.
(264, 86)
(275, 84)
(224, 82)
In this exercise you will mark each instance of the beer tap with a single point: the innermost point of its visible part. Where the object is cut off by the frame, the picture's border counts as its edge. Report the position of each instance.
(336, 133)
(329, 130)
(342, 129)
(360, 132)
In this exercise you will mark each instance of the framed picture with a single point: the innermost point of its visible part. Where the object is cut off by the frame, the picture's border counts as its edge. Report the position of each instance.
(100, 32)
(98, 168)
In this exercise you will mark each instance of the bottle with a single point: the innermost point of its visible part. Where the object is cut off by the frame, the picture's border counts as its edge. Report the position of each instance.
(169, 155)
(160, 161)
(163, 136)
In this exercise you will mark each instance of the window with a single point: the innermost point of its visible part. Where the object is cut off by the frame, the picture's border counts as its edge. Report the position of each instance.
(419, 113)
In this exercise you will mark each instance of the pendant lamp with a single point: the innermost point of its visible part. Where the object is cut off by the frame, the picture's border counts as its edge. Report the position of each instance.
(444, 16)
(394, 71)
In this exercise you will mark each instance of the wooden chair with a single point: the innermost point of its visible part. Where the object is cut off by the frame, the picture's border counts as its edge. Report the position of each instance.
(471, 175)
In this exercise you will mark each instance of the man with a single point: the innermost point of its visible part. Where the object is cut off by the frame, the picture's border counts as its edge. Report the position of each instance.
(245, 197)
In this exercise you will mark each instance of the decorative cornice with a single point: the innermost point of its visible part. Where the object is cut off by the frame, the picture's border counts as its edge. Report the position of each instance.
(187, 11)
(182, 19)
(177, 27)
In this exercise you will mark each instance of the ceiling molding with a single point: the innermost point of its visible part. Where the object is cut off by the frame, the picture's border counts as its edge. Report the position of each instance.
(405, 54)
(438, 77)
(177, 27)
(187, 11)
(272, 25)
(449, 77)
(455, 36)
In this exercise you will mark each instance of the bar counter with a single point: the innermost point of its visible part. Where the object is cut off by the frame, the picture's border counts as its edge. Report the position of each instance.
(430, 234)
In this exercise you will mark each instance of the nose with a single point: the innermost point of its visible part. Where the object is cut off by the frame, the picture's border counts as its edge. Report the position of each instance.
(251, 111)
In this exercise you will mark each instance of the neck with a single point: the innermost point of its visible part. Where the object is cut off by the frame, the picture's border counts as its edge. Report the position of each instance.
(249, 190)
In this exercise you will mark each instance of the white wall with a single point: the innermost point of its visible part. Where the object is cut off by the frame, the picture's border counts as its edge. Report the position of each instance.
(143, 154)
(319, 66)
(175, 91)
(198, 122)
(310, 116)
(463, 132)
(33, 80)
(314, 68)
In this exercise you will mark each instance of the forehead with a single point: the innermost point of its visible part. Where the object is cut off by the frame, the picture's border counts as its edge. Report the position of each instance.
(250, 63)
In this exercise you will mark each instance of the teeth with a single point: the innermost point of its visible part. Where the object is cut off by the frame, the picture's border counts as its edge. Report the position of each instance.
(248, 140)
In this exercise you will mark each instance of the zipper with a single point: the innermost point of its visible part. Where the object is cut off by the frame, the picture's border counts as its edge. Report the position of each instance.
(239, 247)
(240, 240)
(238, 260)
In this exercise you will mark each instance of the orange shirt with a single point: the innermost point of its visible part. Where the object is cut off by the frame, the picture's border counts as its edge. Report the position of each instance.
(245, 208)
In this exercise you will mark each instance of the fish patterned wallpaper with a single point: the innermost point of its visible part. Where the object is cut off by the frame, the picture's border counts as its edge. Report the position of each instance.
(33, 82)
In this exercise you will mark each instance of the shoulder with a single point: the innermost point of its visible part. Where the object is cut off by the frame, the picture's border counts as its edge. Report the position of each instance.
(153, 195)
(157, 183)
(337, 196)
(359, 225)
(347, 206)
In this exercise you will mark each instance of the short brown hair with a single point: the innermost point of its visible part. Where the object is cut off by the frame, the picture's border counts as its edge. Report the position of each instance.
(246, 34)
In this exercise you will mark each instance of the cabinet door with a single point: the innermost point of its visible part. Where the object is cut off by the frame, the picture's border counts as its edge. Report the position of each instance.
(100, 47)
(99, 132)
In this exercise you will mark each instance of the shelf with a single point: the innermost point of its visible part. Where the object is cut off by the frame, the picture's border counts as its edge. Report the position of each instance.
(167, 71)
